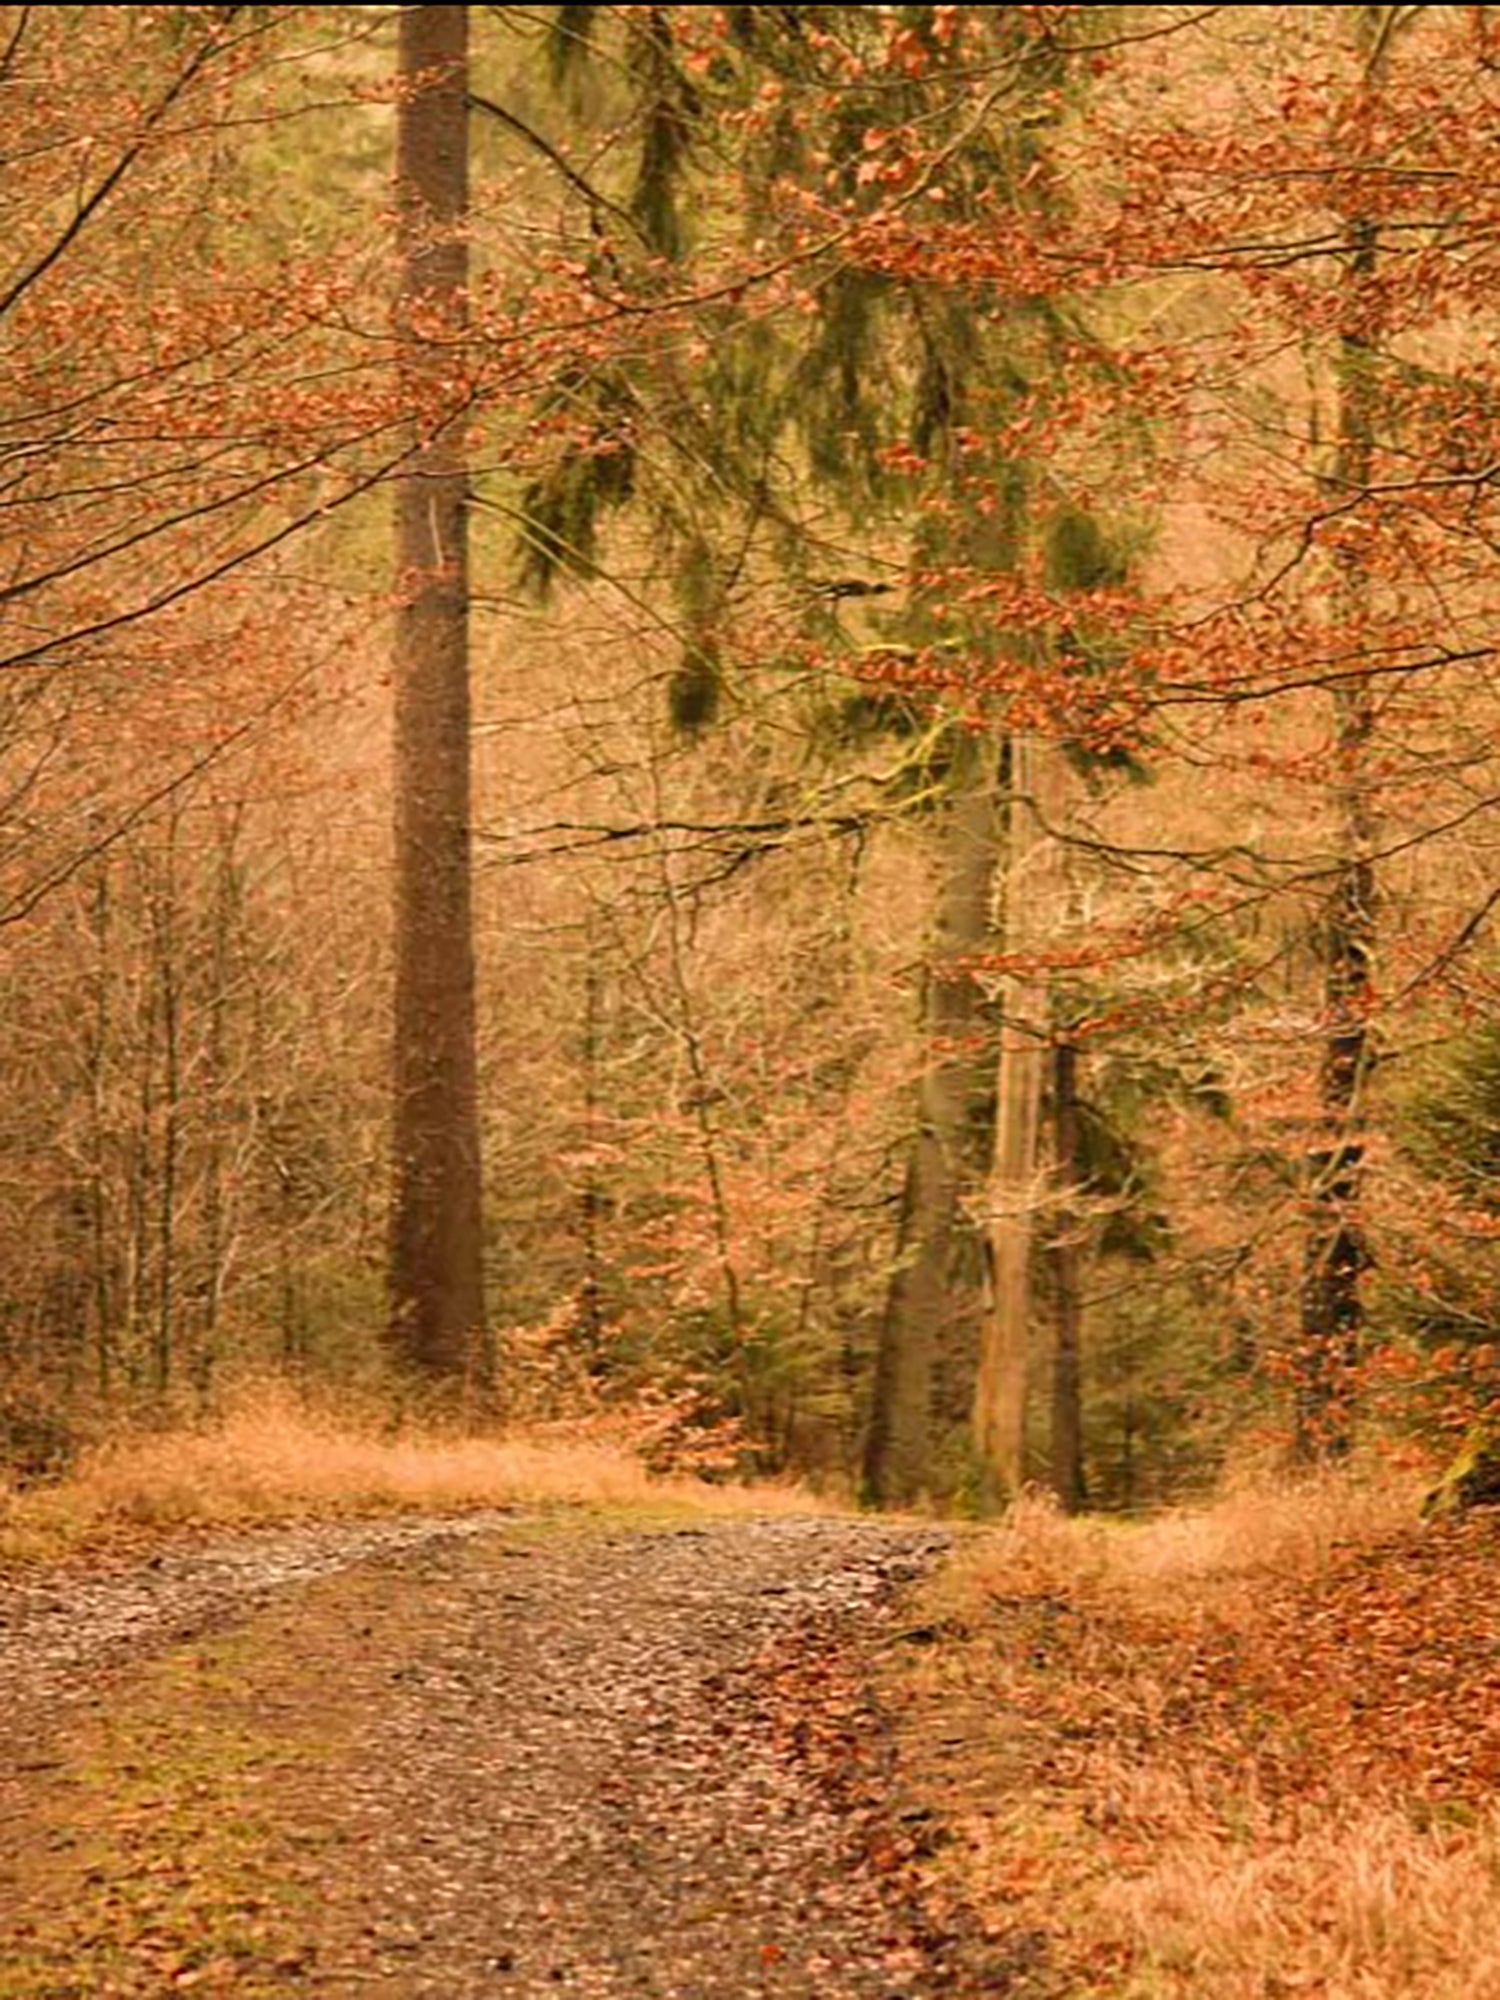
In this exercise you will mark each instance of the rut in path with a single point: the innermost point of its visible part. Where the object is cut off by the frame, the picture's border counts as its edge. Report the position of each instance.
(565, 1761)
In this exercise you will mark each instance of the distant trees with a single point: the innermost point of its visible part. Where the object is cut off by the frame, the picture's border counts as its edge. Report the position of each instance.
(1352, 646)
(187, 402)
(167, 427)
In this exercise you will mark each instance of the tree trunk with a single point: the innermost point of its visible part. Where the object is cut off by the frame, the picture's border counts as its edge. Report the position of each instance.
(436, 1279)
(1065, 1256)
(103, 1250)
(217, 1097)
(1014, 1186)
(591, 1194)
(141, 1177)
(927, 1289)
(1335, 1254)
(163, 917)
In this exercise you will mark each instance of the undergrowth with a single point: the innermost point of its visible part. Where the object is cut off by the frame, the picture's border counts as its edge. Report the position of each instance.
(273, 1456)
(1242, 1751)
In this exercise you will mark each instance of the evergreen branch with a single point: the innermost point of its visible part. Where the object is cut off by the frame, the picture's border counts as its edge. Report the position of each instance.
(597, 201)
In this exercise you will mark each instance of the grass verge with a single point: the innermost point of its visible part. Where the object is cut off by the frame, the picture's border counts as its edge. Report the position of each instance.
(149, 1859)
(1246, 1751)
(274, 1458)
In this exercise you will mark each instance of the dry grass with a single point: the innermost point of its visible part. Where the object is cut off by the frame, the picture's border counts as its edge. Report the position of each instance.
(1363, 1907)
(1257, 1527)
(272, 1457)
(1113, 1799)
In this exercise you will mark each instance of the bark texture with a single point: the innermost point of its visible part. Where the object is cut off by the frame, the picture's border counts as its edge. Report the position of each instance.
(1031, 899)
(934, 1281)
(1065, 1256)
(436, 1284)
(1336, 1255)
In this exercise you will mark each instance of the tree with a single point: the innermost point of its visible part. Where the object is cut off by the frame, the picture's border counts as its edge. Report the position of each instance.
(436, 1275)
(181, 409)
(1064, 1249)
(1014, 1191)
(1337, 1251)
(909, 405)
(1337, 213)
(932, 1287)
(792, 420)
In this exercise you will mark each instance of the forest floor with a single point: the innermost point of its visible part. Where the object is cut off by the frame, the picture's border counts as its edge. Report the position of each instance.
(1243, 1752)
(495, 1755)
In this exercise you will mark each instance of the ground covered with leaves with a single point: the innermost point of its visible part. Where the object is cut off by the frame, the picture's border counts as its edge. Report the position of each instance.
(521, 1758)
(1181, 1763)
(1248, 1751)
(1383, 1676)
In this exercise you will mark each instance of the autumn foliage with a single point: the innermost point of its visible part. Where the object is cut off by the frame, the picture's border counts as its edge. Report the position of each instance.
(1118, 393)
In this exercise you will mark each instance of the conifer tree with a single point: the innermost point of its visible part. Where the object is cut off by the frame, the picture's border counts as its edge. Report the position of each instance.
(794, 414)
(436, 1280)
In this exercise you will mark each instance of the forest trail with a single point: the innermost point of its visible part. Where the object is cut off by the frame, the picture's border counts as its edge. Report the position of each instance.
(492, 1757)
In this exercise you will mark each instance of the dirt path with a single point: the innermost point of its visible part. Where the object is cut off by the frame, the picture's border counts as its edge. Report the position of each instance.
(506, 1759)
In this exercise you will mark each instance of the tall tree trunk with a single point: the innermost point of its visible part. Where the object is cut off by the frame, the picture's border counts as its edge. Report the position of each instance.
(1064, 1253)
(163, 915)
(927, 1288)
(436, 1278)
(217, 1100)
(141, 1174)
(1024, 1055)
(591, 1194)
(705, 1093)
(1335, 1252)
(102, 1026)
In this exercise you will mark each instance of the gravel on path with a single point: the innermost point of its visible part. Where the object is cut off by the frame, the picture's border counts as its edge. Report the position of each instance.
(81, 1615)
(573, 1760)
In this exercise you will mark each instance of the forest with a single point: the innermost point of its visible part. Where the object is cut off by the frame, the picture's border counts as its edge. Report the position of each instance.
(775, 722)
(764, 737)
